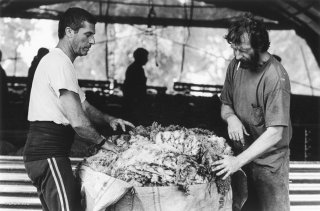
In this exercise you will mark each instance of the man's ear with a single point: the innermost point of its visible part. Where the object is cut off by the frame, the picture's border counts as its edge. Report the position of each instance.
(69, 32)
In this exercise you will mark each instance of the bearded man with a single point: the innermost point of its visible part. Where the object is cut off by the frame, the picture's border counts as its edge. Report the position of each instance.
(256, 106)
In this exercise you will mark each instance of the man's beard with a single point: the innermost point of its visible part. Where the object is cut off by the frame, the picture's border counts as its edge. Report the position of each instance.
(252, 63)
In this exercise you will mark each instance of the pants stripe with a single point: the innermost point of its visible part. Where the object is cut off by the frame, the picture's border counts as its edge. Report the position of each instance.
(62, 184)
(57, 184)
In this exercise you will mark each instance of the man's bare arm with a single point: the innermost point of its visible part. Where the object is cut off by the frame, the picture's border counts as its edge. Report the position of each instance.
(226, 112)
(99, 118)
(96, 116)
(230, 164)
(72, 109)
(268, 139)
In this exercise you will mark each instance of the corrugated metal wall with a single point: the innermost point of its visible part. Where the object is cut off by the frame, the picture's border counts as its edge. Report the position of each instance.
(18, 194)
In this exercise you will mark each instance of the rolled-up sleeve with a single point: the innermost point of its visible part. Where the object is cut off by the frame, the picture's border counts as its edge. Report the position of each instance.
(278, 108)
(64, 77)
(277, 101)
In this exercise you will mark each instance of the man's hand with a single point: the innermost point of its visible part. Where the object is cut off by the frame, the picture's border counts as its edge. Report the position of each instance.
(114, 123)
(236, 129)
(111, 147)
(227, 166)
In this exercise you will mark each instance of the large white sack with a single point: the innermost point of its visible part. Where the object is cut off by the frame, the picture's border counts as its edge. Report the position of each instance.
(100, 190)
(202, 197)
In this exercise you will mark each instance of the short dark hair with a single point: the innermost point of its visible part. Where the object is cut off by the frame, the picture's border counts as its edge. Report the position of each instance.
(256, 29)
(140, 52)
(74, 18)
(42, 52)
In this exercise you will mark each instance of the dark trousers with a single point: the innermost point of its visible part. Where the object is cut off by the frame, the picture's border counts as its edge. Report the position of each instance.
(267, 190)
(55, 183)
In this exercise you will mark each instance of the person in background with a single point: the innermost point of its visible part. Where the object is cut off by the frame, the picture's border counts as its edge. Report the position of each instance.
(34, 64)
(4, 92)
(256, 106)
(135, 85)
(58, 108)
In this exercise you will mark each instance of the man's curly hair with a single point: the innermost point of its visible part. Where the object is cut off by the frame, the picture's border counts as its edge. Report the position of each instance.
(255, 28)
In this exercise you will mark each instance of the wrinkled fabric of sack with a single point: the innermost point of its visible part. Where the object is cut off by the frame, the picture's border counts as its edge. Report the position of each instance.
(103, 192)
(99, 190)
(202, 197)
(239, 190)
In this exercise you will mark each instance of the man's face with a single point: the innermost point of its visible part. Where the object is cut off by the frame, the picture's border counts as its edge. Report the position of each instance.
(244, 53)
(83, 39)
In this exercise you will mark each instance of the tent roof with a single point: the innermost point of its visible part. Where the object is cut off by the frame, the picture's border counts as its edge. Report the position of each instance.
(301, 15)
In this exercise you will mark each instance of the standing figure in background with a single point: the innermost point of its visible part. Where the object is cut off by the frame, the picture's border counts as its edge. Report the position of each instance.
(34, 64)
(58, 108)
(256, 106)
(4, 92)
(135, 86)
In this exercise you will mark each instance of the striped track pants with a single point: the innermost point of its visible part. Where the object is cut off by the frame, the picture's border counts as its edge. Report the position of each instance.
(55, 183)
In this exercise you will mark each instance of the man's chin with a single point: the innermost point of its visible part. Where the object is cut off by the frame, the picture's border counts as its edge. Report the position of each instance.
(84, 53)
(248, 65)
(245, 65)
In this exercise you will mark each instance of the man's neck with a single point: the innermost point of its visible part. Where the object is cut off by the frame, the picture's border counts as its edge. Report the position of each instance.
(67, 49)
(138, 63)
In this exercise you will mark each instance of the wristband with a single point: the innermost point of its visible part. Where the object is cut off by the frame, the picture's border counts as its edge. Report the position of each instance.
(99, 145)
(96, 147)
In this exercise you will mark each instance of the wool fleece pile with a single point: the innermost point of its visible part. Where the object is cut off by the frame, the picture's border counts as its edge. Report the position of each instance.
(164, 156)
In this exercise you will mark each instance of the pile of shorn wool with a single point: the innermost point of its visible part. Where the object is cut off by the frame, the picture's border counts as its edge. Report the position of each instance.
(164, 156)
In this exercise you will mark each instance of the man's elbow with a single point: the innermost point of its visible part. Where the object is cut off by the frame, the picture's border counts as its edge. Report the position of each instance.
(276, 133)
(77, 122)
(76, 125)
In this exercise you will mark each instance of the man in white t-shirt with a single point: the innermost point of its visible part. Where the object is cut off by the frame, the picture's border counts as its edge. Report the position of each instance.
(57, 109)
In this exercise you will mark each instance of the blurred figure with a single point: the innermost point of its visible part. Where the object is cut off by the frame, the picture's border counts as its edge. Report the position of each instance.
(34, 64)
(4, 92)
(135, 85)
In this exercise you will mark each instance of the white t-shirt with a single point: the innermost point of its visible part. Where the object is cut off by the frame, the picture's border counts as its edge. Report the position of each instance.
(54, 72)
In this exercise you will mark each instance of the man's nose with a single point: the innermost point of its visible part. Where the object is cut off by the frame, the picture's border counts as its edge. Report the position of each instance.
(237, 54)
(92, 40)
